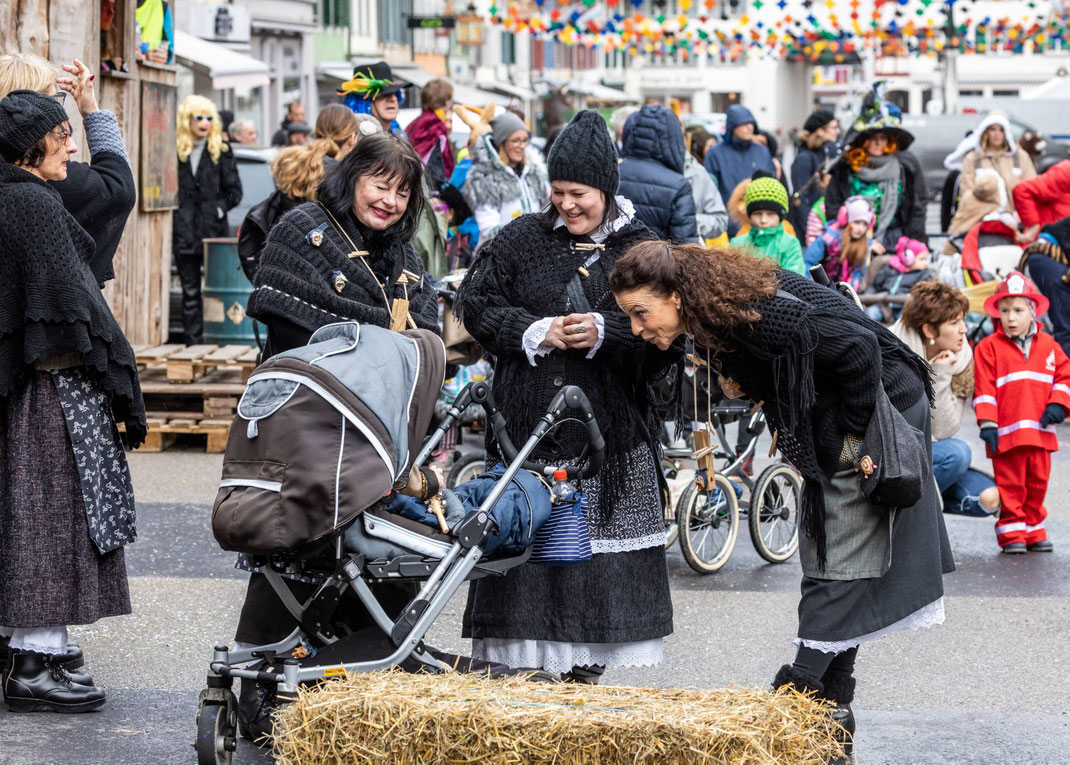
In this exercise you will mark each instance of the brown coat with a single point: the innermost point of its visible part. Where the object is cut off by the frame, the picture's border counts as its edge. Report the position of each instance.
(979, 201)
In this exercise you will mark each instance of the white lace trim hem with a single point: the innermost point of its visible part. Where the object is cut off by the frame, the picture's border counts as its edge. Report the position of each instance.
(924, 617)
(627, 545)
(554, 656)
(50, 640)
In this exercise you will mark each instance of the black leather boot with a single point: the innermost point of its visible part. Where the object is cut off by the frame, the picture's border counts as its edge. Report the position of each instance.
(256, 703)
(36, 683)
(72, 659)
(840, 690)
(585, 675)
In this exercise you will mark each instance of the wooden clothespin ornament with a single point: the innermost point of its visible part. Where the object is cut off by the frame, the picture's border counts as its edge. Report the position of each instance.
(357, 254)
(583, 272)
(399, 309)
(589, 247)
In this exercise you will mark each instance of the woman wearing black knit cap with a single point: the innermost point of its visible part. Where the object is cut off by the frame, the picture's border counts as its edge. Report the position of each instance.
(817, 142)
(67, 374)
(538, 300)
(817, 364)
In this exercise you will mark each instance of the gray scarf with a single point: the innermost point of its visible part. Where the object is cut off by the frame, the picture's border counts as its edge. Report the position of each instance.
(884, 171)
(196, 154)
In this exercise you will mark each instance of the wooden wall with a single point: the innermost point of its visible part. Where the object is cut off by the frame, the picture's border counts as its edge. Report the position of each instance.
(61, 30)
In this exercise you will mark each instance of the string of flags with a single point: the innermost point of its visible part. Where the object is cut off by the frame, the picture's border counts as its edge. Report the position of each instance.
(822, 31)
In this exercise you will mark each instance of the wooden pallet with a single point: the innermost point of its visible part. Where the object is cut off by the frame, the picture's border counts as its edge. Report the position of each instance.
(214, 395)
(164, 431)
(187, 363)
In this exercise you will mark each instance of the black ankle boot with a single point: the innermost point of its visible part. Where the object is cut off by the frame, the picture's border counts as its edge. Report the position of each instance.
(72, 659)
(36, 683)
(840, 690)
(256, 703)
(586, 675)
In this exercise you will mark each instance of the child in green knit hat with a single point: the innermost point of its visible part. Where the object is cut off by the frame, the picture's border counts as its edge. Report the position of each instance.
(767, 204)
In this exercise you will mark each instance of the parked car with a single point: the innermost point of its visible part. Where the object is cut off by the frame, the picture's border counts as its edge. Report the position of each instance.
(713, 122)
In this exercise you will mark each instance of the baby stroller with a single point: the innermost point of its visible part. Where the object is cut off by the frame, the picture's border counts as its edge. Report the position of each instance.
(355, 402)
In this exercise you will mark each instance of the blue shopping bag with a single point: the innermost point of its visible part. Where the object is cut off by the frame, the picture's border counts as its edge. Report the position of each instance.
(564, 540)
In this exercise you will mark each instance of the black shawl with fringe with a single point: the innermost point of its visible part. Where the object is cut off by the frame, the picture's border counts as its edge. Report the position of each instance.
(50, 302)
(815, 360)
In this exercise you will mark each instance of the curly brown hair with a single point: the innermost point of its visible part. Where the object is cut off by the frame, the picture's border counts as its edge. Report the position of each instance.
(933, 303)
(719, 288)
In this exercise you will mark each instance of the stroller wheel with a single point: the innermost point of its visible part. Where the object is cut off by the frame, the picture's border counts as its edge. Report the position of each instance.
(774, 513)
(466, 468)
(709, 524)
(216, 728)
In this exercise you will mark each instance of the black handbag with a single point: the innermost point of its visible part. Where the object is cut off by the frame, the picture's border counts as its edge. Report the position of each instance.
(892, 459)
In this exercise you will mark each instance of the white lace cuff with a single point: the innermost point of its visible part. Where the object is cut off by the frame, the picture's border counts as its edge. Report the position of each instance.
(533, 338)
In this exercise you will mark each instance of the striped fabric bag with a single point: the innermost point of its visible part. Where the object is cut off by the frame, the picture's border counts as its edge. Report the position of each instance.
(563, 540)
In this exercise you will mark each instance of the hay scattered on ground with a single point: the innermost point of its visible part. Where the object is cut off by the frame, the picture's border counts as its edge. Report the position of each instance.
(405, 718)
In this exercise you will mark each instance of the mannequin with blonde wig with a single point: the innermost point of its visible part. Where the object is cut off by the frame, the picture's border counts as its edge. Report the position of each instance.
(208, 186)
(194, 105)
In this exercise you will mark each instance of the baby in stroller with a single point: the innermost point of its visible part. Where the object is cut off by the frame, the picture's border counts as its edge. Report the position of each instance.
(323, 438)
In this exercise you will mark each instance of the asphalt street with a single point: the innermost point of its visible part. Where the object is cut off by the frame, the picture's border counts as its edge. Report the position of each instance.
(988, 686)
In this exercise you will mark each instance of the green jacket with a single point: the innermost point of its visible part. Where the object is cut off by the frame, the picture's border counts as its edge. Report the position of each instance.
(774, 243)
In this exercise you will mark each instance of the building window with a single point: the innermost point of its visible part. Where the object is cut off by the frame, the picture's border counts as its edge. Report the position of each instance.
(335, 13)
(392, 15)
(1011, 92)
(967, 93)
(508, 48)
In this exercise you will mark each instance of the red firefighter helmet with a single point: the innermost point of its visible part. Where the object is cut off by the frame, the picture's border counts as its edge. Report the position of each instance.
(1016, 284)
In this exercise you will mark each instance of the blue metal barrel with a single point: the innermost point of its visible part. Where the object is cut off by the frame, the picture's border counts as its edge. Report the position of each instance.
(226, 292)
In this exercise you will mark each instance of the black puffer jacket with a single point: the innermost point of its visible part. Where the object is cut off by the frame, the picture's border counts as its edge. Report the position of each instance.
(652, 174)
(203, 200)
(253, 233)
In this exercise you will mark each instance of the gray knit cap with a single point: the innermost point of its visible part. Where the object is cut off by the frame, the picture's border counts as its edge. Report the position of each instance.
(585, 153)
(26, 117)
(503, 126)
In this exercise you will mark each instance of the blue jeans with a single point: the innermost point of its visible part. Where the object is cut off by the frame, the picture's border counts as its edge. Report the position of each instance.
(960, 486)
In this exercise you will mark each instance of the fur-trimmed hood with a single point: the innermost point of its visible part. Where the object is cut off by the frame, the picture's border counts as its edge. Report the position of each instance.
(491, 182)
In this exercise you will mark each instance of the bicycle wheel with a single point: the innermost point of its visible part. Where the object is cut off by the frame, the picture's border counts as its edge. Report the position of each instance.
(467, 467)
(774, 512)
(709, 525)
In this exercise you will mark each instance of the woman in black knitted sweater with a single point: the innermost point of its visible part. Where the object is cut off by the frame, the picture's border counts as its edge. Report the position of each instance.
(538, 300)
(346, 257)
(816, 364)
(67, 374)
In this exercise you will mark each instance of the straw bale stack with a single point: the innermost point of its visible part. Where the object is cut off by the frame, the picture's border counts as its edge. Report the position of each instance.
(408, 718)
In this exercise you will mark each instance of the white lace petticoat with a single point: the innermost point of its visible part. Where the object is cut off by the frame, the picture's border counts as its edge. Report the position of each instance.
(926, 616)
(555, 656)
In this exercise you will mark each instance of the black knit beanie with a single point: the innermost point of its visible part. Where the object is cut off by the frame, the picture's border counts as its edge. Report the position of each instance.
(818, 120)
(26, 117)
(585, 153)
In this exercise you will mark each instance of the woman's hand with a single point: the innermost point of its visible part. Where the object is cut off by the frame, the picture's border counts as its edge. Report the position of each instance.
(730, 388)
(581, 331)
(556, 336)
(944, 358)
(877, 248)
(80, 86)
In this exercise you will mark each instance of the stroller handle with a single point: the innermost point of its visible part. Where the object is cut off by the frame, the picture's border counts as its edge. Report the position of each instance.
(571, 398)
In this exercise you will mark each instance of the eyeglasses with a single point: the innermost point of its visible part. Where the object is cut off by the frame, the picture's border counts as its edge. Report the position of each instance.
(59, 97)
(517, 142)
(61, 135)
(203, 117)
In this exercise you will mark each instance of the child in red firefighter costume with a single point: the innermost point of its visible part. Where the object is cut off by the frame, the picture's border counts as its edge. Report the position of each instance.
(1021, 391)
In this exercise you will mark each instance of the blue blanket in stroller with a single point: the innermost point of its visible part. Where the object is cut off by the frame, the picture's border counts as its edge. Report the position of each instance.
(519, 513)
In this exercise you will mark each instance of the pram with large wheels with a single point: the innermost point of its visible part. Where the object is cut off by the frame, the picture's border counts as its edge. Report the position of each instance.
(372, 387)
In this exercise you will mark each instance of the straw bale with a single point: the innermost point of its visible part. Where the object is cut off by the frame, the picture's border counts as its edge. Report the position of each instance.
(457, 718)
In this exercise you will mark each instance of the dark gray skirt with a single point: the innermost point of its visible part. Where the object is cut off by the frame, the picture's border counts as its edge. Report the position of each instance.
(51, 572)
(612, 598)
(834, 611)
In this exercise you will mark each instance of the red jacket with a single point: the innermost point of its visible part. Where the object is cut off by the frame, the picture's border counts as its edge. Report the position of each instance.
(1012, 391)
(1044, 198)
